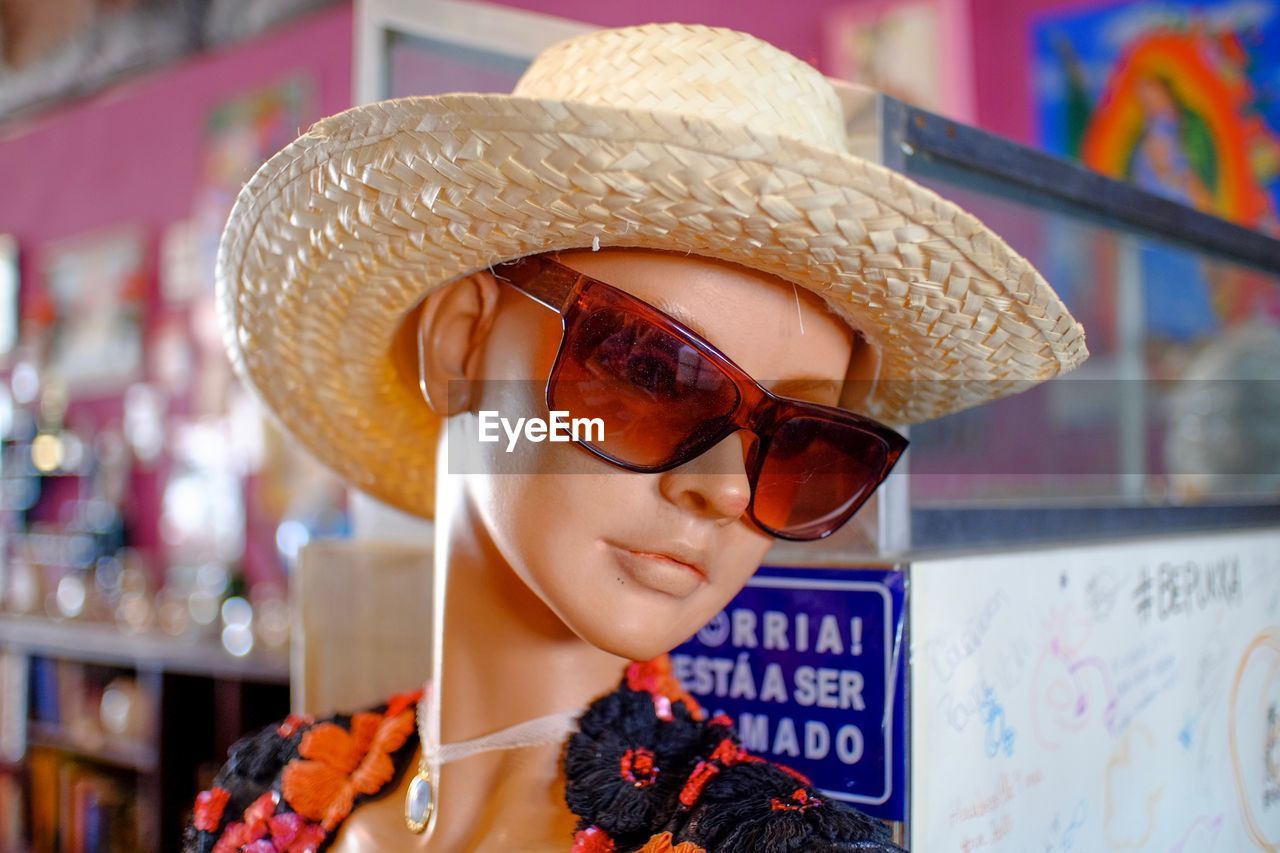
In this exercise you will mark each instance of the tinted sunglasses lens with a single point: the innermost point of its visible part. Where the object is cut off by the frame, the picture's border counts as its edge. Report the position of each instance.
(657, 396)
(815, 473)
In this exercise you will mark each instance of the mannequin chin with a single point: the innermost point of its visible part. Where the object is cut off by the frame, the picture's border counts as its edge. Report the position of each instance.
(583, 536)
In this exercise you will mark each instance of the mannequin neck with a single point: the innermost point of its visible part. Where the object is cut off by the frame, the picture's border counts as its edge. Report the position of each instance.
(507, 657)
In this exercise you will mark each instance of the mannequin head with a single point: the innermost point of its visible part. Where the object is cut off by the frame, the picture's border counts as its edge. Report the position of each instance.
(567, 522)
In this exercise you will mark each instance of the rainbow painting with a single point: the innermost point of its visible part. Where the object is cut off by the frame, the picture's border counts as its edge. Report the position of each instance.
(1181, 98)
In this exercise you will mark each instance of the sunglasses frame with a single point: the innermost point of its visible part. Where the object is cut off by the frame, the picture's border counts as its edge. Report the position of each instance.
(758, 411)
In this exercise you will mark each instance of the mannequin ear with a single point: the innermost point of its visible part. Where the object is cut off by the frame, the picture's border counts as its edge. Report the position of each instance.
(452, 327)
(862, 374)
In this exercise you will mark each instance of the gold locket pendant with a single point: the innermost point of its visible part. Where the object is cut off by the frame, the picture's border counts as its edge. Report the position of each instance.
(420, 803)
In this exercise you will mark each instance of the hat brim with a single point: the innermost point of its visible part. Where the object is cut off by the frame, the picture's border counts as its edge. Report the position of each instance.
(340, 235)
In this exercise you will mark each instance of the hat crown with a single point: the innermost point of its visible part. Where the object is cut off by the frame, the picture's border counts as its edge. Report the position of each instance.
(712, 73)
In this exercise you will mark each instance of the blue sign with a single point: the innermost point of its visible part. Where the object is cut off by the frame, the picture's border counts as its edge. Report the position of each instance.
(810, 665)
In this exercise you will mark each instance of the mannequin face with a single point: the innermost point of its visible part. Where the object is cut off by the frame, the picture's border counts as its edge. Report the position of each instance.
(583, 535)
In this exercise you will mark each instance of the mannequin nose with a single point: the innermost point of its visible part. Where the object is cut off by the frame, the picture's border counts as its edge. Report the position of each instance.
(713, 484)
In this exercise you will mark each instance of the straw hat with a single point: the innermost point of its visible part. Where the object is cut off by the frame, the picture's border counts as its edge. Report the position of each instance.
(672, 136)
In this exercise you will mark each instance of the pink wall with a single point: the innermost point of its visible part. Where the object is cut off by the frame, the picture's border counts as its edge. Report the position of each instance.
(132, 152)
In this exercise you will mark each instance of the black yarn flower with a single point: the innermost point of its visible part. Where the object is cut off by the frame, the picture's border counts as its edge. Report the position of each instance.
(624, 767)
(759, 806)
(259, 756)
(253, 764)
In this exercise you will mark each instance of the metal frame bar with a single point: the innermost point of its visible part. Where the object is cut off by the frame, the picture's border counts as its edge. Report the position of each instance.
(915, 137)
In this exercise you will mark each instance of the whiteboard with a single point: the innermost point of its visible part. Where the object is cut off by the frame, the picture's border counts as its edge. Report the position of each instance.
(1119, 697)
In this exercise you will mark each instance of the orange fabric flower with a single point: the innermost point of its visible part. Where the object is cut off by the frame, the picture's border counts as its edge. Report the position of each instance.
(337, 764)
(662, 844)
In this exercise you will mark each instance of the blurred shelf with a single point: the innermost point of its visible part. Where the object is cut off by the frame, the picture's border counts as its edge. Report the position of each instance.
(139, 756)
(197, 700)
(101, 643)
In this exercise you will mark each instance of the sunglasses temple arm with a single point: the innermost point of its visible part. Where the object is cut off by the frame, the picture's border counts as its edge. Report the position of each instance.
(549, 283)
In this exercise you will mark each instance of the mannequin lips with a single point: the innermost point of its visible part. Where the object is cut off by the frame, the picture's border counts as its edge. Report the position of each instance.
(661, 571)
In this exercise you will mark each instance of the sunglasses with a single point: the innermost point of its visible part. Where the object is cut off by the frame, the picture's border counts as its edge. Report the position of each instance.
(665, 395)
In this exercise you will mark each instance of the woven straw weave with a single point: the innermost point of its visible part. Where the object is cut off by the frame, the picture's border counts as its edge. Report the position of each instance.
(668, 136)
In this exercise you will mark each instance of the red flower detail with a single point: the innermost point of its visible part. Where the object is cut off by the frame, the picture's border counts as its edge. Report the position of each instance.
(729, 753)
(262, 808)
(698, 779)
(638, 766)
(721, 720)
(799, 801)
(262, 831)
(239, 835)
(726, 754)
(656, 678)
(593, 839)
(292, 723)
(292, 833)
(209, 807)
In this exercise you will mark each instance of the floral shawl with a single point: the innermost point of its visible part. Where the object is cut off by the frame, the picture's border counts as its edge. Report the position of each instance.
(647, 772)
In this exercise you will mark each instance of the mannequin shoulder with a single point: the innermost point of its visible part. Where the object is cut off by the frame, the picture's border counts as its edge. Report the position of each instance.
(290, 784)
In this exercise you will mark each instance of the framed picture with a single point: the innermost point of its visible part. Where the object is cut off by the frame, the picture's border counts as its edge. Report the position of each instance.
(96, 285)
(240, 133)
(1178, 97)
(916, 50)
